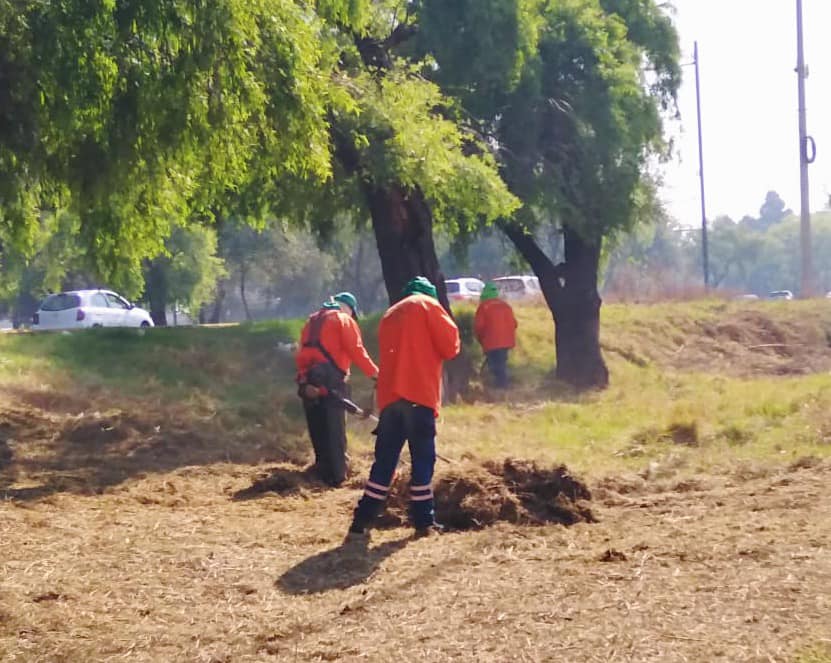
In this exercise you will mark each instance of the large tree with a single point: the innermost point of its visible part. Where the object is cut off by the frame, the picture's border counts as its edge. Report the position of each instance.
(570, 95)
(410, 162)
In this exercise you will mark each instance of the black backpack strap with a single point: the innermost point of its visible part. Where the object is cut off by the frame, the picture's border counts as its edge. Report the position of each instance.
(315, 328)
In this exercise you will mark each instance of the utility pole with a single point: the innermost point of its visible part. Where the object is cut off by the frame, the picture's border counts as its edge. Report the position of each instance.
(705, 258)
(807, 281)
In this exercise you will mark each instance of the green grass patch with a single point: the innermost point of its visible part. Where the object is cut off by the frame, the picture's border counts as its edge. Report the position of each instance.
(820, 653)
(651, 413)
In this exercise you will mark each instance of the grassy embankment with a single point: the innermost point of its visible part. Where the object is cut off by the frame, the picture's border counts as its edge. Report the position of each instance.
(693, 386)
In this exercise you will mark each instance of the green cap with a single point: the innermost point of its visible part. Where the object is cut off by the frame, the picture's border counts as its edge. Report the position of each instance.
(350, 300)
(330, 305)
(490, 291)
(420, 285)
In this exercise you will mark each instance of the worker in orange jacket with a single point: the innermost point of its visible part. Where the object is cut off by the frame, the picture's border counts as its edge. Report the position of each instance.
(329, 343)
(495, 327)
(415, 337)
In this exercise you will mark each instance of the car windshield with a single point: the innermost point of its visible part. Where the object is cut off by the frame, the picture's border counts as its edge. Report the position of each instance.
(509, 285)
(474, 286)
(452, 287)
(114, 301)
(60, 302)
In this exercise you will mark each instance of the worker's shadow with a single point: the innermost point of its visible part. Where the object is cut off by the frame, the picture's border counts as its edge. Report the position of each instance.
(351, 563)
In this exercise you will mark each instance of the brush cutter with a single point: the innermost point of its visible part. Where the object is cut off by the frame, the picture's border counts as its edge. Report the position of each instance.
(353, 408)
(311, 391)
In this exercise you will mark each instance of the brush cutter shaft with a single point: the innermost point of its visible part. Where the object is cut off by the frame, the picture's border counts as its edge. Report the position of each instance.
(354, 408)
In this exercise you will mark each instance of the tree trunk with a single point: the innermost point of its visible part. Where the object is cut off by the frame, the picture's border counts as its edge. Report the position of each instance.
(157, 292)
(242, 275)
(24, 309)
(216, 314)
(579, 359)
(570, 291)
(403, 226)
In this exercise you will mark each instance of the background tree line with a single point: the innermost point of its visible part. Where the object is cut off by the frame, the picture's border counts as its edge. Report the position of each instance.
(244, 273)
(754, 255)
(176, 140)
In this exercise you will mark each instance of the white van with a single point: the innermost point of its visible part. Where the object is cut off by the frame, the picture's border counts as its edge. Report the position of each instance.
(520, 288)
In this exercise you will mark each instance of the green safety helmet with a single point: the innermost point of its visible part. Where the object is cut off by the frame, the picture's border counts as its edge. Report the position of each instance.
(490, 291)
(420, 285)
(350, 300)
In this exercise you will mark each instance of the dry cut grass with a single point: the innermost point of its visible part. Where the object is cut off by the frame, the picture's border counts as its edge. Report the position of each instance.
(171, 519)
(734, 567)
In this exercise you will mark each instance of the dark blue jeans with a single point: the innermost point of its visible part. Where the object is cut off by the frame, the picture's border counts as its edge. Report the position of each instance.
(402, 421)
(498, 365)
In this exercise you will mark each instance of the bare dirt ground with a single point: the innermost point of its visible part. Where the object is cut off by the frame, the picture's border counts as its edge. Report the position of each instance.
(209, 563)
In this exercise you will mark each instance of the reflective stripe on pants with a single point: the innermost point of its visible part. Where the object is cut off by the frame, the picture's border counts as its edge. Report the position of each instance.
(402, 421)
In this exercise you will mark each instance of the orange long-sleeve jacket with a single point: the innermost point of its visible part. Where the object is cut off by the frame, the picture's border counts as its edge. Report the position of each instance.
(495, 325)
(341, 337)
(415, 337)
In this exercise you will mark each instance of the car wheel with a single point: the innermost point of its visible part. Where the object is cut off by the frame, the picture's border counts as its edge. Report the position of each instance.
(144, 323)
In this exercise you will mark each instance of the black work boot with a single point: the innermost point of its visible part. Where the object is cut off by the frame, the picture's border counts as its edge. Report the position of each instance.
(432, 529)
(358, 531)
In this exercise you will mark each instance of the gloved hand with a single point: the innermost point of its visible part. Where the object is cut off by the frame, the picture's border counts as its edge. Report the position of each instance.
(311, 392)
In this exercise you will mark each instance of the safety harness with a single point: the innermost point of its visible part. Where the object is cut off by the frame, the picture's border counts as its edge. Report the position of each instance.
(326, 377)
(316, 323)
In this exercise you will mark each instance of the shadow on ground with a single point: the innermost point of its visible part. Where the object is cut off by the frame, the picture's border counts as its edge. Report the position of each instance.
(351, 563)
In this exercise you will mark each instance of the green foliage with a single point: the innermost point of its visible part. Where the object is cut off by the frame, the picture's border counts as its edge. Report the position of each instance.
(482, 46)
(278, 263)
(193, 267)
(52, 258)
(355, 14)
(486, 254)
(650, 27)
(136, 113)
(755, 255)
(574, 120)
(745, 258)
(53, 253)
(399, 136)
(772, 211)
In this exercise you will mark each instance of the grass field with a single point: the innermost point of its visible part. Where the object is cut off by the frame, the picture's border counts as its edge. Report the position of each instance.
(157, 508)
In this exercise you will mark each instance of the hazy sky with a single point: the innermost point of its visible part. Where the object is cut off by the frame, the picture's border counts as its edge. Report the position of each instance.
(747, 56)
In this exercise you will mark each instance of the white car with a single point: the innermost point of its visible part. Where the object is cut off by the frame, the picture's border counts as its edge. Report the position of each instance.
(88, 308)
(519, 287)
(780, 294)
(464, 289)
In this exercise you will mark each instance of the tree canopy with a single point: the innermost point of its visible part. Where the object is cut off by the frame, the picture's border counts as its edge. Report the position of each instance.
(138, 113)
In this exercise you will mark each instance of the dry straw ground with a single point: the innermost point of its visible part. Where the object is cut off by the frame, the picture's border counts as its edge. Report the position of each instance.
(147, 536)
